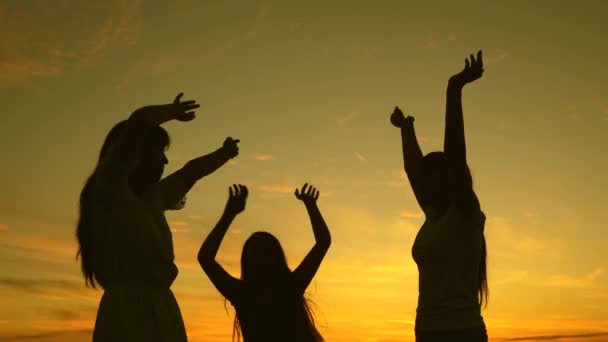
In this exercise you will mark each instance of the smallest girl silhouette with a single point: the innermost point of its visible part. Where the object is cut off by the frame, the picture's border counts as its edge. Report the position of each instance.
(269, 298)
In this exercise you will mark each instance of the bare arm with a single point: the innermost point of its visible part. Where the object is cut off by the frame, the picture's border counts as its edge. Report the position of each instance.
(454, 143)
(124, 152)
(228, 286)
(307, 269)
(412, 154)
(175, 186)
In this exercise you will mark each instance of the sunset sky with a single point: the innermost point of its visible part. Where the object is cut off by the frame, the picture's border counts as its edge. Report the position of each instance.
(308, 88)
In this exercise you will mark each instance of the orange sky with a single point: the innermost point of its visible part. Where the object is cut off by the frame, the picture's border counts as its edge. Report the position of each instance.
(308, 88)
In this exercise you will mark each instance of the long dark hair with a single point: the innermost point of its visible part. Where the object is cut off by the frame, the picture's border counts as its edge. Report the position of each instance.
(87, 228)
(263, 249)
(437, 161)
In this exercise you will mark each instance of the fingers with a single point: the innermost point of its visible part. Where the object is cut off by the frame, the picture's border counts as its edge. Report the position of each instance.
(244, 191)
(179, 96)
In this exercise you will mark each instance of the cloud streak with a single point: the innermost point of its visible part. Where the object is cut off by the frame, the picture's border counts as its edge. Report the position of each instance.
(38, 42)
(264, 157)
(556, 337)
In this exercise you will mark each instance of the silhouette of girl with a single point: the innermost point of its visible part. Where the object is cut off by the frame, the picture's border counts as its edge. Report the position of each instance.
(125, 244)
(450, 248)
(269, 298)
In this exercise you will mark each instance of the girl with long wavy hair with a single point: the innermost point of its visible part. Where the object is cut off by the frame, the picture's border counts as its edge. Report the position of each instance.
(269, 298)
(450, 248)
(125, 245)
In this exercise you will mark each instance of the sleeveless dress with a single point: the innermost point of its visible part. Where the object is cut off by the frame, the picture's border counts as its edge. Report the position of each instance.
(447, 251)
(134, 263)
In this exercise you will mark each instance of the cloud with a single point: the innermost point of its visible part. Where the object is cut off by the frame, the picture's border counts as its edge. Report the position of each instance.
(264, 157)
(283, 189)
(64, 336)
(180, 230)
(52, 289)
(194, 217)
(433, 40)
(495, 56)
(178, 223)
(345, 119)
(555, 337)
(417, 214)
(360, 157)
(3, 227)
(569, 281)
(38, 41)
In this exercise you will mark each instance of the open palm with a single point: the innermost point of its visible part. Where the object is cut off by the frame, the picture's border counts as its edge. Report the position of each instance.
(472, 71)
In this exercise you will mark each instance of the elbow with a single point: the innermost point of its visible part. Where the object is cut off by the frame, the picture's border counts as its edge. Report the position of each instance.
(204, 259)
(325, 242)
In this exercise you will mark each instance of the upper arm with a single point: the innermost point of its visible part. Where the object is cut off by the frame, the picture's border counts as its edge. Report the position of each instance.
(172, 189)
(229, 286)
(413, 170)
(307, 269)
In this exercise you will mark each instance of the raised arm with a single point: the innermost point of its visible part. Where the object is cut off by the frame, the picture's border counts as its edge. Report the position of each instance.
(412, 155)
(307, 269)
(228, 285)
(454, 143)
(175, 186)
(124, 152)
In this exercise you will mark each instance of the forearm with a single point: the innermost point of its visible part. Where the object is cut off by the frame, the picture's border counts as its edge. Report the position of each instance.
(454, 143)
(412, 155)
(207, 164)
(319, 227)
(153, 115)
(212, 243)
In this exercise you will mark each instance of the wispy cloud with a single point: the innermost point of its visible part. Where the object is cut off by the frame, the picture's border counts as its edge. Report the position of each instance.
(556, 337)
(495, 56)
(360, 157)
(178, 223)
(277, 188)
(264, 157)
(416, 214)
(345, 119)
(66, 335)
(51, 289)
(39, 42)
(569, 281)
(433, 40)
(194, 216)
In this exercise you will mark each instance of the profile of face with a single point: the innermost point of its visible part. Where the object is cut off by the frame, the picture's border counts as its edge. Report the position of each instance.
(152, 158)
(263, 259)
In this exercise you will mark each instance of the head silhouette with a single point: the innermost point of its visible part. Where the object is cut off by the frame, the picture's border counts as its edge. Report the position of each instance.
(150, 160)
(263, 261)
(148, 169)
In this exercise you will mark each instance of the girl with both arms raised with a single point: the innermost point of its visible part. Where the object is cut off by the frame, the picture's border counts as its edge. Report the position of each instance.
(269, 298)
(125, 244)
(450, 248)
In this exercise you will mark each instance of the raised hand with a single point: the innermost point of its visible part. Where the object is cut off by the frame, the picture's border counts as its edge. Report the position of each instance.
(236, 199)
(184, 110)
(399, 120)
(308, 194)
(231, 147)
(471, 72)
